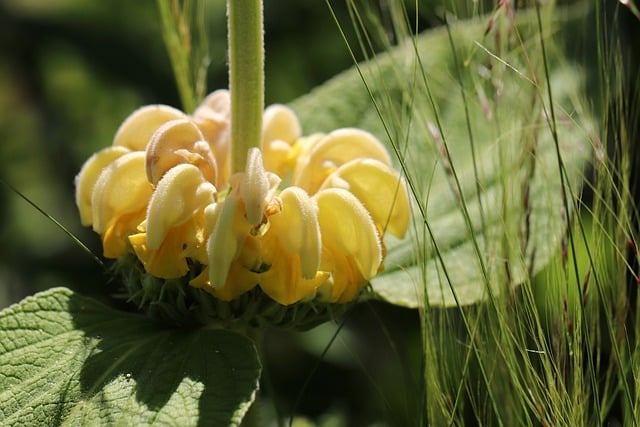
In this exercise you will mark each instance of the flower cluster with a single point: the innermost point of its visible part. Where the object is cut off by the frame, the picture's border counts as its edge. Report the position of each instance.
(304, 220)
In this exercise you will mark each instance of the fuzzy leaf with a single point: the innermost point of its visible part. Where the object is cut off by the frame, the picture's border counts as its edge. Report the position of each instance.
(492, 204)
(69, 360)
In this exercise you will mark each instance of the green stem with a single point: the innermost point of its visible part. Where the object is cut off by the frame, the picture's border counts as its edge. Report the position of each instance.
(246, 77)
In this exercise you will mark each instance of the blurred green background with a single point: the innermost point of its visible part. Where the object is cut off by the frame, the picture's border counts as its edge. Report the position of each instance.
(72, 70)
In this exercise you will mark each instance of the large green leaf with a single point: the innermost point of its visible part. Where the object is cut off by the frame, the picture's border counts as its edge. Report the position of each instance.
(69, 360)
(494, 206)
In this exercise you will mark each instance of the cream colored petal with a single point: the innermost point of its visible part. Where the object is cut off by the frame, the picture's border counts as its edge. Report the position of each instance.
(346, 225)
(254, 187)
(211, 214)
(280, 130)
(137, 129)
(297, 229)
(176, 142)
(224, 242)
(332, 151)
(181, 192)
(216, 106)
(380, 189)
(277, 157)
(279, 122)
(212, 118)
(86, 179)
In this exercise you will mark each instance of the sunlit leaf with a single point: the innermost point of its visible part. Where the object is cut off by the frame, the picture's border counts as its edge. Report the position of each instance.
(69, 360)
(475, 132)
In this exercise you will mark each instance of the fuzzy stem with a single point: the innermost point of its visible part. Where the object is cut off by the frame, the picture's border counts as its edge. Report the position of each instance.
(246, 77)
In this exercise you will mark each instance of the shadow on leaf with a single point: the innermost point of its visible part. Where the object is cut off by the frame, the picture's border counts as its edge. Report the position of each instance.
(76, 361)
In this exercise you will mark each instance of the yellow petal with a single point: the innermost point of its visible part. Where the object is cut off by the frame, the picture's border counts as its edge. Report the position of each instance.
(115, 239)
(332, 151)
(277, 271)
(345, 281)
(351, 247)
(180, 193)
(296, 227)
(243, 272)
(284, 282)
(380, 189)
(239, 281)
(86, 179)
(169, 260)
(119, 200)
(137, 129)
(177, 142)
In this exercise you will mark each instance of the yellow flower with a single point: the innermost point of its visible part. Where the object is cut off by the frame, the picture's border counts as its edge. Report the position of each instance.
(174, 227)
(351, 247)
(116, 184)
(348, 158)
(349, 174)
(119, 201)
(380, 190)
(304, 220)
(86, 179)
(323, 154)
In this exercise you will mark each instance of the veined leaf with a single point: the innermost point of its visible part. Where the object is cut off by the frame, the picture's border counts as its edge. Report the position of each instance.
(471, 119)
(69, 360)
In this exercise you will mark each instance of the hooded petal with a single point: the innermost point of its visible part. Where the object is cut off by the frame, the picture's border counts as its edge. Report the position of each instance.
(119, 201)
(180, 193)
(380, 189)
(86, 179)
(351, 247)
(176, 142)
(137, 129)
(332, 151)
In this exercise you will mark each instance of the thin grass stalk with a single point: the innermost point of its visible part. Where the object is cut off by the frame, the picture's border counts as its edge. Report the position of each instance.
(176, 34)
